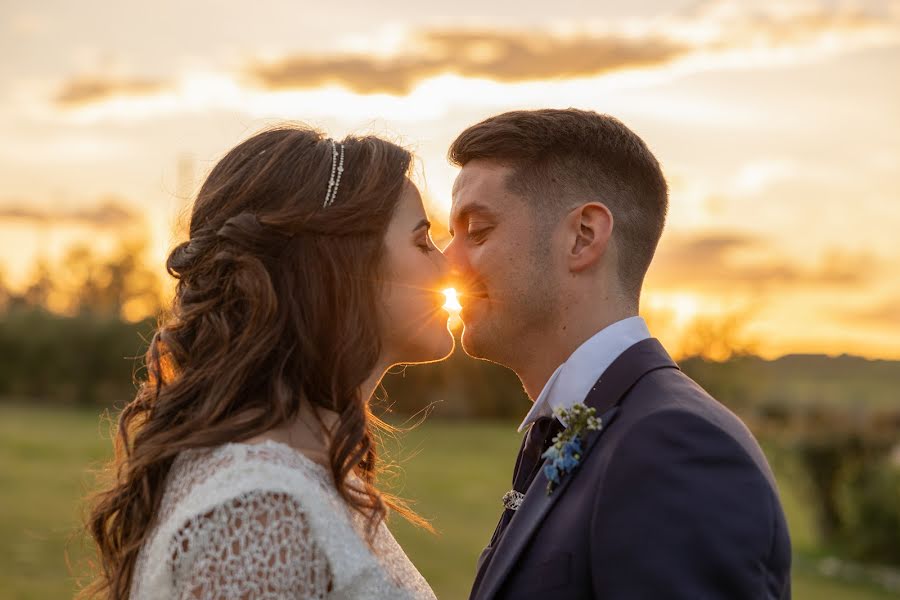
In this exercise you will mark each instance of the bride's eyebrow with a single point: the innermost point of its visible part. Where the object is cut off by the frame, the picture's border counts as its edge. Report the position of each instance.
(424, 223)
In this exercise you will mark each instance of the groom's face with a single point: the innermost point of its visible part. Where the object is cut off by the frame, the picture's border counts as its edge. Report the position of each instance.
(500, 259)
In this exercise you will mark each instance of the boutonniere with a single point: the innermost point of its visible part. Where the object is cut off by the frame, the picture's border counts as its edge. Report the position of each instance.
(565, 453)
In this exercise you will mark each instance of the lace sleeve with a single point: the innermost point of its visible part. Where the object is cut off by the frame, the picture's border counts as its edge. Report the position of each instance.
(256, 545)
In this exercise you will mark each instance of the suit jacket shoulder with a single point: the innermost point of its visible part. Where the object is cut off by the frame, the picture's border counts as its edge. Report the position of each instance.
(673, 499)
(672, 401)
(686, 499)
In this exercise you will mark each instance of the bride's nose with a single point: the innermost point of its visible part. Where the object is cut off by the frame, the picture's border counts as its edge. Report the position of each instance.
(443, 266)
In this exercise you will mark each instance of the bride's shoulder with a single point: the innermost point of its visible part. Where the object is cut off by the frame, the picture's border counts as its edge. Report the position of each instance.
(197, 462)
(202, 477)
(247, 506)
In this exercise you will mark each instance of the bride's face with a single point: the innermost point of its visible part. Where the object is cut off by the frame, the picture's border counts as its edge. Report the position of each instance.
(416, 273)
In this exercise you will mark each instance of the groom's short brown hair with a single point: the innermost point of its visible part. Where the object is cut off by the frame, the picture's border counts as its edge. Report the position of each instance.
(562, 158)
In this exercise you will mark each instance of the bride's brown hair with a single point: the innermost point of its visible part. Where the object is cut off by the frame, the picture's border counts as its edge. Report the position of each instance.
(276, 304)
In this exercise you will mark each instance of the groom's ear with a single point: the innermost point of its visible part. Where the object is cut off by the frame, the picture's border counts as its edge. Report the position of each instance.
(589, 228)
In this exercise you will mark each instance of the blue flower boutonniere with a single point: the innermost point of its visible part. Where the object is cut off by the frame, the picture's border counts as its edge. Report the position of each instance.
(568, 445)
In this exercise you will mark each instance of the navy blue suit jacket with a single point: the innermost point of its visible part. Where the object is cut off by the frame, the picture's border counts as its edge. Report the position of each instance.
(673, 499)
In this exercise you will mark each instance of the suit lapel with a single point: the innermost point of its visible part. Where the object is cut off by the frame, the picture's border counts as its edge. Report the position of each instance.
(638, 360)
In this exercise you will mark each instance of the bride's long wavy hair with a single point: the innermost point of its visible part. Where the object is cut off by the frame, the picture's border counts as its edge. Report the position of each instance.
(276, 304)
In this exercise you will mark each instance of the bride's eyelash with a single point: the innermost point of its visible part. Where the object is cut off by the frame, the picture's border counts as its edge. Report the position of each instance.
(427, 247)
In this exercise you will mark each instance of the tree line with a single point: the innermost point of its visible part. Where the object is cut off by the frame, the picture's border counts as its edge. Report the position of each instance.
(76, 332)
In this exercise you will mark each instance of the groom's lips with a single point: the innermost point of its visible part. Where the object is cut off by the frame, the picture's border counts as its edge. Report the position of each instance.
(473, 298)
(475, 295)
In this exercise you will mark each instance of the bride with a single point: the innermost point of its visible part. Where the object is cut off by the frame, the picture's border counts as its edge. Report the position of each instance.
(245, 466)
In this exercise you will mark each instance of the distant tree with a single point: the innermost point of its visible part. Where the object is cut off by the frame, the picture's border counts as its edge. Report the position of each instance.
(843, 450)
(120, 284)
(74, 334)
(871, 499)
(717, 338)
(40, 290)
(5, 293)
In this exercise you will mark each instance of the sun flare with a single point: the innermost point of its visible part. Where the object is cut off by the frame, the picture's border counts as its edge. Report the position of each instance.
(452, 304)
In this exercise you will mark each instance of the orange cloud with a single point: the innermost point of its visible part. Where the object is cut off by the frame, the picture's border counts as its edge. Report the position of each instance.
(511, 56)
(501, 56)
(110, 212)
(877, 315)
(717, 261)
(85, 90)
(799, 27)
(519, 56)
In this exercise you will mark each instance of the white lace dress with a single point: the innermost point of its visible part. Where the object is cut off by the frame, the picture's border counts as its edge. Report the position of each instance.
(263, 521)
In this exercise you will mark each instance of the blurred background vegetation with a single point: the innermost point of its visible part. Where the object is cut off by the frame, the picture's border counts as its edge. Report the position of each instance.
(71, 343)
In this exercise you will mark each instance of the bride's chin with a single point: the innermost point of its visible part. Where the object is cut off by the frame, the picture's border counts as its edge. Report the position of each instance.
(438, 346)
(448, 346)
(443, 345)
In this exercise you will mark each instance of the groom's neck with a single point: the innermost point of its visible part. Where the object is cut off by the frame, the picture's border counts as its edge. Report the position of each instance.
(553, 346)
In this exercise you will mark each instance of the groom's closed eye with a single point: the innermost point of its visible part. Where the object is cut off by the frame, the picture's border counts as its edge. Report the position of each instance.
(478, 233)
(475, 220)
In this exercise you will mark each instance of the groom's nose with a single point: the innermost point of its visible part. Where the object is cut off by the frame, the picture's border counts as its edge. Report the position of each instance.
(461, 272)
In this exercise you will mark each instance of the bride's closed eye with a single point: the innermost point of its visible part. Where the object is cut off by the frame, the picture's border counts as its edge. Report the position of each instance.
(425, 244)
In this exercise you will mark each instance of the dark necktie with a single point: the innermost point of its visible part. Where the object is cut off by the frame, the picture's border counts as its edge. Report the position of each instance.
(539, 438)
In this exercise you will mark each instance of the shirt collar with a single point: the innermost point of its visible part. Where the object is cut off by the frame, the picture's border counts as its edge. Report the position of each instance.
(572, 380)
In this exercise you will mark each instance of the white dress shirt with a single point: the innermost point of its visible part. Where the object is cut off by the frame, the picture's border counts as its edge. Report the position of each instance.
(572, 380)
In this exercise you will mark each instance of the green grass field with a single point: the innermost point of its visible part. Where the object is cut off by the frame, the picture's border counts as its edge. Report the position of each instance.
(456, 471)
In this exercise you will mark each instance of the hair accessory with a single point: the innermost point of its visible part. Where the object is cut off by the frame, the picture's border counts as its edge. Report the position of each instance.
(337, 168)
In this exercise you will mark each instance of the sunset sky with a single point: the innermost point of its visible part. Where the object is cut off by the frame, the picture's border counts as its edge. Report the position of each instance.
(777, 125)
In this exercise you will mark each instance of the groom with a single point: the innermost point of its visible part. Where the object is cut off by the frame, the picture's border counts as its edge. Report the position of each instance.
(556, 216)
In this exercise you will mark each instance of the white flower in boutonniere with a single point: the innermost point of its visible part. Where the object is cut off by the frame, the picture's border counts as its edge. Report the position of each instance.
(568, 445)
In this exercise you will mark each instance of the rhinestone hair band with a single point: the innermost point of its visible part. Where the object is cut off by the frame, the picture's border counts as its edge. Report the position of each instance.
(337, 168)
